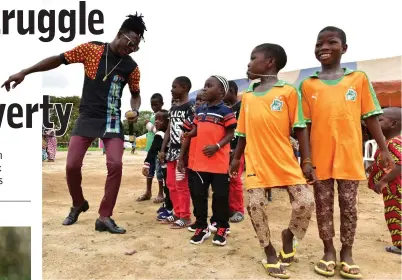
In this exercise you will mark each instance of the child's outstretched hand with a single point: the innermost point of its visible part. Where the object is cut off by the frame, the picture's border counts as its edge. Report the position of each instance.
(231, 156)
(145, 171)
(234, 167)
(181, 166)
(210, 150)
(369, 168)
(183, 136)
(161, 157)
(379, 187)
(309, 173)
(386, 161)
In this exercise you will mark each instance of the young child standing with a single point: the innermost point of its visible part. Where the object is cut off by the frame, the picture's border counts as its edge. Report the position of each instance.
(161, 125)
(199, 100)
(177, 181)
(187, 153)
(389, 184)
(187, 127)
(270, 109)
(236, 204)
(156, 105)
(214, 126)
(335, 100)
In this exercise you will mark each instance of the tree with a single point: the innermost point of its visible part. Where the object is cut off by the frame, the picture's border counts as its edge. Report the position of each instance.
(76, 100)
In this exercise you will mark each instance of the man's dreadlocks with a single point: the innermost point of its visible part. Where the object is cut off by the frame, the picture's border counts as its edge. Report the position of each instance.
(134, 23)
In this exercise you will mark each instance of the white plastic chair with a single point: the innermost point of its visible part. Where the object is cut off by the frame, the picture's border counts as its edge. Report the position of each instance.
(370, 147)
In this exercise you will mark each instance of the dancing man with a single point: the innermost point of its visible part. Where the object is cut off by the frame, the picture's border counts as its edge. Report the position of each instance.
(108, 68)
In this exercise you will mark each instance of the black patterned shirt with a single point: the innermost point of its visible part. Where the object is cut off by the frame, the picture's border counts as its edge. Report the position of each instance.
(177, 117)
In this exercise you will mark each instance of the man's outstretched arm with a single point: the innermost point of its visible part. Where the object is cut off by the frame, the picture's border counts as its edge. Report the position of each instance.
(46, 64)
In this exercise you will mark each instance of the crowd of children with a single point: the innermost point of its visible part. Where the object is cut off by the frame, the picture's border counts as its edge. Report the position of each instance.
(208, 143)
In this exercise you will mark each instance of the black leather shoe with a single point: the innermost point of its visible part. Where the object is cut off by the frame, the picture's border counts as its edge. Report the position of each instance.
(74, 213)
(109, 225)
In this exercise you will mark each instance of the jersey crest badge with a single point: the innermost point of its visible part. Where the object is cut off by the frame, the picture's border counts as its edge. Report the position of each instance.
(351, 95)
(277, 105)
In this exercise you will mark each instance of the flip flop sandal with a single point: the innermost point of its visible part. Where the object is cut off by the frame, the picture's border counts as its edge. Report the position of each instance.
(393, 249)
(349, 275)
(267, 266)
(180, 223)
(325, 272)
(237, 217)
(169, 220)
(283, 256)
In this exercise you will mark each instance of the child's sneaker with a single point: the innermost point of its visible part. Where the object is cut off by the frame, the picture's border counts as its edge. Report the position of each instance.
(213, 228)
(161, 209)
(192, 228)
(163, 215)
(220, 237)
(200, 235)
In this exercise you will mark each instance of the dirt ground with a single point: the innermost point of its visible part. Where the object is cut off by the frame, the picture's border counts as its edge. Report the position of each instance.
(78, 252)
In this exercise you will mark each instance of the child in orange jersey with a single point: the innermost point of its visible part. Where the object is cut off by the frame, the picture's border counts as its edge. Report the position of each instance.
(270, 110)
(335, 100)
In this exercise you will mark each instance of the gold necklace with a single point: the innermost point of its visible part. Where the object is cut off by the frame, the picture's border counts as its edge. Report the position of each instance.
(107, 74)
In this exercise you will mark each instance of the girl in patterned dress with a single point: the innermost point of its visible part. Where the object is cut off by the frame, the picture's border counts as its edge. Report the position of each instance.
(51, 141)
(389, 184)
(44, 145)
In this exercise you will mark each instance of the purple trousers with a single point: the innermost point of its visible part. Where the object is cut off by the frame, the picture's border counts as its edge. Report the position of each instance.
(114, 153)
